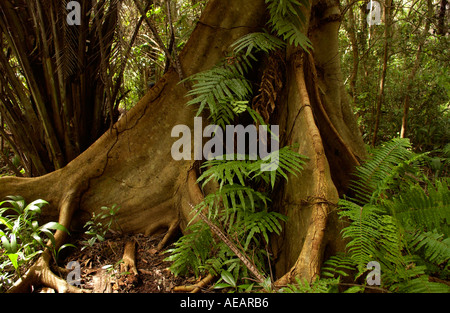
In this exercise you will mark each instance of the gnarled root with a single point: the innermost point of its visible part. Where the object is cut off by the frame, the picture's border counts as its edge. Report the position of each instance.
(41, 274)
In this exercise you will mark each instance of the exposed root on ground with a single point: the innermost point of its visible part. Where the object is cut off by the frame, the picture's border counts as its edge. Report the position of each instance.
(129, 258)
(196, 287)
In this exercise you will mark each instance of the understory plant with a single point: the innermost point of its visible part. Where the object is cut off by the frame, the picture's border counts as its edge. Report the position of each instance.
(398, 217)
(22, 238)
(99, 225)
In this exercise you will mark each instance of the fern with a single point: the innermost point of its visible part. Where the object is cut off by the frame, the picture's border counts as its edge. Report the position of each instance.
(227, 80)
(230, 196)
(191, 250)
(286, 19)
(419, 209)
(227, 110)
(432, 245)
(376, 170)
(338, 266)
(317, 286)
(288, 161)
(228, 172)
(373, 236)
(263, 223)
(217, 84)
(421, 284)
(256, 42)
(396, 220)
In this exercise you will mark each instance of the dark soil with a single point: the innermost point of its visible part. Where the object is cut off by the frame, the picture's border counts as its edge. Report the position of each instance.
(102, 262)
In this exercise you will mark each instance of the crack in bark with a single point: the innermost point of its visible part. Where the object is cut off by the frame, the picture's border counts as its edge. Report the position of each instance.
(153, 94)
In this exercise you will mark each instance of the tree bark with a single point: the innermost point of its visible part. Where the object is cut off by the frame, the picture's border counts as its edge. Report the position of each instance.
(131, 165)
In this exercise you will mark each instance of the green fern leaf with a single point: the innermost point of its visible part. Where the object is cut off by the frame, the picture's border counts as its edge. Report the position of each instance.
(256, 42)
(213, 86)
(286, 19)
(378, 168)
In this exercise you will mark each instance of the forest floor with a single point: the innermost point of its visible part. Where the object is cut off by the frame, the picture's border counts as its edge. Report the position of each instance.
(102, 272)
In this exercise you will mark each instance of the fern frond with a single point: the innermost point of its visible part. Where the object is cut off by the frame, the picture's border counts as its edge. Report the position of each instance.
(378, 168)
(216, 84)
(286, 19)
(338, 265)
(318, 286)
(434, 247)
(373, 236)
(263, 223)
(192, 250)
(276, 164)
(421, 284)
(229, 197)
(397, 221)
(226, 112)
(287, 161)
(225, 172)
(426, 210)
(256, 42)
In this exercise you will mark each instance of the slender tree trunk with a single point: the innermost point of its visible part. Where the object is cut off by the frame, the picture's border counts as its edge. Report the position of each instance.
(380, 97)
(415, 68)
(351, 30)
(442, 28)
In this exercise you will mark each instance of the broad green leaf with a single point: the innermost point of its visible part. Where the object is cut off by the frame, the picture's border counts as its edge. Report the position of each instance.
(13, 257)
(55, 226)
(228, 277)
(222, 285)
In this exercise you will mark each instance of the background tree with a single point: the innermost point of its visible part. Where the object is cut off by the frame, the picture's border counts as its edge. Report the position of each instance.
(61, 84)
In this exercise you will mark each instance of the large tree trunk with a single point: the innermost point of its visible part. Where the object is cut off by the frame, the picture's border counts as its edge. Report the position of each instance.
(131, 165)
(316, 111)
